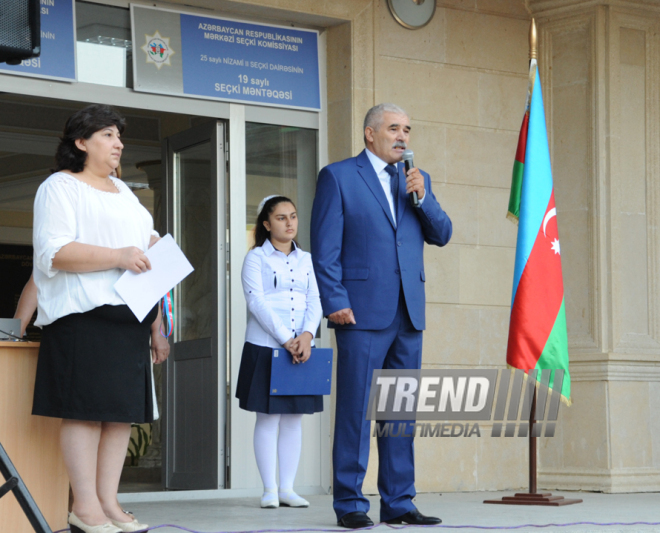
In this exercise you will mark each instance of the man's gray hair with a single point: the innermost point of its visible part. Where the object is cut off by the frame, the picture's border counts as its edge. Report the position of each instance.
(374, 117)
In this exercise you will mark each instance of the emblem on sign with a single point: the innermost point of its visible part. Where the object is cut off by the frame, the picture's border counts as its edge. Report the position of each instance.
(158, 50)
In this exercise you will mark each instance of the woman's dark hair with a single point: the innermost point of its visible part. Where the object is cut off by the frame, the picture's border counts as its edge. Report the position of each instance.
(261, 234)
(82, 125)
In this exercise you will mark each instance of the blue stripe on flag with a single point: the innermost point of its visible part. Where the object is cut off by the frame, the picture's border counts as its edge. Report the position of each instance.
(536, 186)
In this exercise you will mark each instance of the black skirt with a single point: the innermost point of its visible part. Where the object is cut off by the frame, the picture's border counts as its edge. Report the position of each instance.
(253, 386)
(96, 366)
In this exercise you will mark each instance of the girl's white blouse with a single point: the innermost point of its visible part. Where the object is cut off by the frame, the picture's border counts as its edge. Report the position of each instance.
(69, 210)
(282, 295)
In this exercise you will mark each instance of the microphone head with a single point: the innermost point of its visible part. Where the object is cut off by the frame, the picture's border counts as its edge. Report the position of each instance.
(407, 155)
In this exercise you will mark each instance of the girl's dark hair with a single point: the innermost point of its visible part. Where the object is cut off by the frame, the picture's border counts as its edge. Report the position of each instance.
(82, 125)
(261, 234)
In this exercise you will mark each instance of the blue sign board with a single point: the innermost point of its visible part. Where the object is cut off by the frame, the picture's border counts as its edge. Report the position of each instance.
(58, 44)
(207, 57)
(250, 62)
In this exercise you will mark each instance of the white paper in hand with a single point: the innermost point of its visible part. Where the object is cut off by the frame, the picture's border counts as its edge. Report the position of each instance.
(168, 267)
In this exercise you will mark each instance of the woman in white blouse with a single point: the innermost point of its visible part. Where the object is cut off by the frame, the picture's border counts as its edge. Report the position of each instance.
(27, 303)
(93, 370)
(285, 311)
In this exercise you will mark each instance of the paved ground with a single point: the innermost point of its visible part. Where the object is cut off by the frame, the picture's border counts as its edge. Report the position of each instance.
(457, 510)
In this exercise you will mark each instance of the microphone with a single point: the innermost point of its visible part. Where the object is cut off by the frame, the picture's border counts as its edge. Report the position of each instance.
(408, 162)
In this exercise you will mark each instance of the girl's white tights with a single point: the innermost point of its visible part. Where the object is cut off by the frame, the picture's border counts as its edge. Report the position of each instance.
(269, 446)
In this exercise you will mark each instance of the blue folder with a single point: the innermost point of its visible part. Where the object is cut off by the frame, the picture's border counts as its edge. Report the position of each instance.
(311, 377)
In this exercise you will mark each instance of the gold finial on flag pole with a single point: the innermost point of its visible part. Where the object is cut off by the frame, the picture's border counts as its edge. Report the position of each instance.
(533, 49)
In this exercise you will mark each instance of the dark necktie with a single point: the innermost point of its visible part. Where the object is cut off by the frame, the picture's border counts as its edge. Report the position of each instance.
(394, 185)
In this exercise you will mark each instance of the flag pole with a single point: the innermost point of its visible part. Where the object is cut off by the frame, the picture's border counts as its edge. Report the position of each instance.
(533, 54)
(533, 497)
(532, 444)
(533, 41)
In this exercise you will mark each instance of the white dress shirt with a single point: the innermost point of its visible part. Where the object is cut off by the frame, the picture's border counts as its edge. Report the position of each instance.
(384, 178)
(282, 295)
(69, 210)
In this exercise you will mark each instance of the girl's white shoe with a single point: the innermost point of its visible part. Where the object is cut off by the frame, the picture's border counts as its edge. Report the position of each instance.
(291, 499)
(269, 500)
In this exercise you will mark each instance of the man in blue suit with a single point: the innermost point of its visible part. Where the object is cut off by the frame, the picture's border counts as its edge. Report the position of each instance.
(368, 253)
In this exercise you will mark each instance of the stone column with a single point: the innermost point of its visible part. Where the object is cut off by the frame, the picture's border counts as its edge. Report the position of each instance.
(600, 66)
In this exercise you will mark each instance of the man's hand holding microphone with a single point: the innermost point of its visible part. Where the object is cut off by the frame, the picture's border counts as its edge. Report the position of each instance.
(414, 179)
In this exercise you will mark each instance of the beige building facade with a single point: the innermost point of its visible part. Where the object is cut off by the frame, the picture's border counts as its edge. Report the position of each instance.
(463, 80)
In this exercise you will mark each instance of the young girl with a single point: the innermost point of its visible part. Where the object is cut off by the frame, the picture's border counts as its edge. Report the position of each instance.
(285, 311)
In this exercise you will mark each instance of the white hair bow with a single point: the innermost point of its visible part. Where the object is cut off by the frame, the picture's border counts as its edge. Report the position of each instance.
(263, 202)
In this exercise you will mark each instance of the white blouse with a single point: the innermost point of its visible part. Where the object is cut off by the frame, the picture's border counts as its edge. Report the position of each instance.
(69, 210)
(282, 295)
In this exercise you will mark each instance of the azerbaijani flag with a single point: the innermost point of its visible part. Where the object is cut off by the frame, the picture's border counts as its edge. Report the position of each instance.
(537, 330)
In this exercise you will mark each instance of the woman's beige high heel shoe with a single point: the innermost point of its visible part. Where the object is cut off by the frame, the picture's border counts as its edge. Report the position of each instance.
(78, 526)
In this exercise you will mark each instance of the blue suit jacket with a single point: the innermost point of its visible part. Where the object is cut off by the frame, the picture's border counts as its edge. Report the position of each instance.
(360, 257)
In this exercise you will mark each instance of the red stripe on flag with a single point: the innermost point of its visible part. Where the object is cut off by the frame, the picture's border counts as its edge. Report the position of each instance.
(538, 298)
(522, 140)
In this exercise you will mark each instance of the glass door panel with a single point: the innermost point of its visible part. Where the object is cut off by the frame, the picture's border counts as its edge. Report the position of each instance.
(195, 210)
(195, 392)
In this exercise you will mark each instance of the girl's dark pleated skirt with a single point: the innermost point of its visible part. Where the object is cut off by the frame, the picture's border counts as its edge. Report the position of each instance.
(253, 386)
(96, 366)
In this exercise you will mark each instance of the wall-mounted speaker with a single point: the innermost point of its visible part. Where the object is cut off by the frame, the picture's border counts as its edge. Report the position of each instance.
(20, 30)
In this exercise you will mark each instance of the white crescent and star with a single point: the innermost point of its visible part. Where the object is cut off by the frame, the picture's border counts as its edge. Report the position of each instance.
(546, 219)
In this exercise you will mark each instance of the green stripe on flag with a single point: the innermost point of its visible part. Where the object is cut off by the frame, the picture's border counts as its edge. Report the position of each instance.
(555, 353)
(516, 189)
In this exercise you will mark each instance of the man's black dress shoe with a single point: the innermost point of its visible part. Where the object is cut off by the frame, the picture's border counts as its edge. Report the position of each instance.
(415, 518)
(355, 520)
